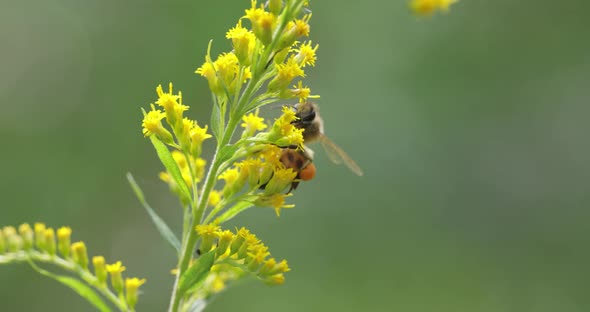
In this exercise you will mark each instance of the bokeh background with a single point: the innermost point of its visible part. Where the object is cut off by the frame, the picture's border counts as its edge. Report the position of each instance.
(472, 129)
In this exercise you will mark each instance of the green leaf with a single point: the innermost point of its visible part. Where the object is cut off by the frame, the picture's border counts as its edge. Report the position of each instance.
(216, 122)
(162, 227)
(234, 210)
(227, 152)
(82, 289)
(171, 166)
(197, 272)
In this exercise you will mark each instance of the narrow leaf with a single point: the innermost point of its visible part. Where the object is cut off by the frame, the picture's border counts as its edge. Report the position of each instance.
(227, 152)
(168, 162)
(234, 210)
(162, 227)
(82, 289)
(196, 273)
(216, 126)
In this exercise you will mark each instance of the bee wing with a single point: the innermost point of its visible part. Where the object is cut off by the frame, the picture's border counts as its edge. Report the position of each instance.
(338, 156)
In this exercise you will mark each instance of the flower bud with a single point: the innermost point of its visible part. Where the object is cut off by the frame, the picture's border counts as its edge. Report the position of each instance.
(63, 240)
(277, 279)
(40, 236)
(100, 269)
(2, 243)
(26, 234)
(131, 286)
(225, 239)
(80, 255)
(50, 241)
(275, 6)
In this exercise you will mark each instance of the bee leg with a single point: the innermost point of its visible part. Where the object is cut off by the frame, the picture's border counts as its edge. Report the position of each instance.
(293, 187)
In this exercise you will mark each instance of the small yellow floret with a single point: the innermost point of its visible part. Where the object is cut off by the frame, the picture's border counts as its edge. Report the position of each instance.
(428, 7)
(116, 267)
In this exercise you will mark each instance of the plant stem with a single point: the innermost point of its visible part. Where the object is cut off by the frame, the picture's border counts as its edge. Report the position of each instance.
(187, 249)
(23, 256)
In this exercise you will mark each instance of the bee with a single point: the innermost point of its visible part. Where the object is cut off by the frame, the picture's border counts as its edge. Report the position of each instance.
(299, 161)
(309, 119)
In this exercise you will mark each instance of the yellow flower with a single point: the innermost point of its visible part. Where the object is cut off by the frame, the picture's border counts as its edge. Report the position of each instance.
(214, 198)
(230, 176)
(243, 41)
(197, 136)
(63, 240)
(152, 124)
(303, 93)
(428, 7)
(285, 73)
(116, 267)
(263, 23)
(252, 123)
(80, 254)
(208, 71)
(283, 133)
(50, 241)
(227, 67)
(200, 168)
(208, 233)
(306, 54)
(254, 13)
(171, 104)
(281, 178)
(277, 279)
(131, 286)
(301, 26)
(276, 201)
(99, 269)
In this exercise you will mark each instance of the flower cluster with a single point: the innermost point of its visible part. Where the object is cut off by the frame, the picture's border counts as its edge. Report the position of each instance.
(40, 244)
(236, 254)
(428, 7)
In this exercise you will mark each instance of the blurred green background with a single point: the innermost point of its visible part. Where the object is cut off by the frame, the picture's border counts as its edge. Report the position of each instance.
(472, 129)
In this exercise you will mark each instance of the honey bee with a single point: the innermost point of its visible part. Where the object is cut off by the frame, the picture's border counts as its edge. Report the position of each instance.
(309, 119)
(301, 162)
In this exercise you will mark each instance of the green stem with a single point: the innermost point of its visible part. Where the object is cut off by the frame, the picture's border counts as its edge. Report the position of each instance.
(86, 276)
(234, 118)
(187, 249)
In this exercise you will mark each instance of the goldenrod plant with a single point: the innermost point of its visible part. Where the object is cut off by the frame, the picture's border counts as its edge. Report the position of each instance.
(272, 51)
